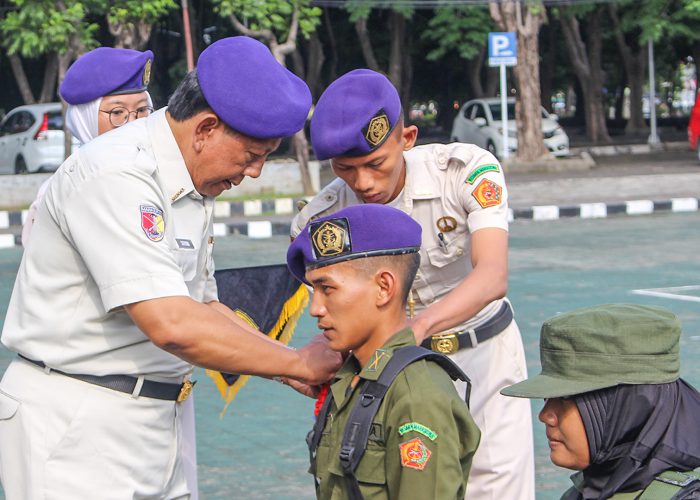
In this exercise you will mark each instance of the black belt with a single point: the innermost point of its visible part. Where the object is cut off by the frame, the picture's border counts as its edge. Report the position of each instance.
(127, 384)
(449, 343)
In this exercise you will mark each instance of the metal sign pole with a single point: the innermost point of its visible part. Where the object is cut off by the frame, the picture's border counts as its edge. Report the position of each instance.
(653, 136)
(504, 111)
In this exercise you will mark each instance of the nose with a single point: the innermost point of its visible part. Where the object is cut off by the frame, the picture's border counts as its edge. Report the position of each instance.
(254, 169)
(547, 415)
(317, 309)
(364, 182)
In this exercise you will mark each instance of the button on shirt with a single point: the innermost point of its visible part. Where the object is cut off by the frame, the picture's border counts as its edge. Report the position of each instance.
(421, 414)
(122, 222)
(460, 181)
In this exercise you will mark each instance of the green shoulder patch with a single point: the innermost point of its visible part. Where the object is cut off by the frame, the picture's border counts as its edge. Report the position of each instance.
(479, 171)
(419, 428)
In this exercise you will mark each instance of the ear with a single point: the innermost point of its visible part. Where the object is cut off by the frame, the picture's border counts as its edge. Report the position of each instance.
(206, 124)
(386, 286)
(408, 137)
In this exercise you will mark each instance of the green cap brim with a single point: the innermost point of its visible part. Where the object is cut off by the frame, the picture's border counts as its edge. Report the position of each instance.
(546, 386)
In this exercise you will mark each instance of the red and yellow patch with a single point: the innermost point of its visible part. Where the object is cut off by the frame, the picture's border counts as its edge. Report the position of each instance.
(414, 454)
(487, 193)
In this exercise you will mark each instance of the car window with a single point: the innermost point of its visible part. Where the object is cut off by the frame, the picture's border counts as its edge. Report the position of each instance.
(496, 111)
(468, 111)
(9, 123)
(479, 112)
(55, 120)
(23, 121)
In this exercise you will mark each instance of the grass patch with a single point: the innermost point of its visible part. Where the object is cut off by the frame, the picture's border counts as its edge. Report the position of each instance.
(259, 196)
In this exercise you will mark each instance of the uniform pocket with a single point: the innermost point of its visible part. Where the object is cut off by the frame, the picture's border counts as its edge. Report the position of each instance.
(8, 406)
(187, 260)
(451, 252)
(371, 469)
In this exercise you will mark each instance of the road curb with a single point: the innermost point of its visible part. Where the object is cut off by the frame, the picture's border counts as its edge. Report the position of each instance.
(11, 222)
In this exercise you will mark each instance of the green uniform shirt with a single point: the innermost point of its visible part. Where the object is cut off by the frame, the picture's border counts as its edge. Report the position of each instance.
(422, 439)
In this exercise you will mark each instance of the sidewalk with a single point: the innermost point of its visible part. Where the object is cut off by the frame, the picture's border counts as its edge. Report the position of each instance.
(620, 184)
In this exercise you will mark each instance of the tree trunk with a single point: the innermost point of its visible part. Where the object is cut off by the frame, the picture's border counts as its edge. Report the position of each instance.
(474, 71)
(548, 67)
(314, 65)
(635, 67)
(586, 61)
(333, 62)
(63, 61)
(130, 35)
(406, 76)
(21, 77)
(301, 149)
(366, 44)
(397, 27)
(48, 88)
(509, 15)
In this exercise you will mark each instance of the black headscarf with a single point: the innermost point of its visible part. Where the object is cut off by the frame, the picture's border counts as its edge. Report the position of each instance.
(635, 432)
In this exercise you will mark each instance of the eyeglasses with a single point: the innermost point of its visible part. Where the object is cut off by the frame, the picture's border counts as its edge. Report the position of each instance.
(119, 116)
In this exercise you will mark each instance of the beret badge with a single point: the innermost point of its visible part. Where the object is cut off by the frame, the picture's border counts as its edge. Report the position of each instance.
(377, 129)
(330, 238)
(147, 72)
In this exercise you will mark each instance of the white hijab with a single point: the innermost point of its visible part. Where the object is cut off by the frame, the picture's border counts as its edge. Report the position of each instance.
(81, 119)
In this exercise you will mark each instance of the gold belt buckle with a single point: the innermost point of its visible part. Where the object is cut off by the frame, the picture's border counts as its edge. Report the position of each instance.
(445, 343)
(185, 391)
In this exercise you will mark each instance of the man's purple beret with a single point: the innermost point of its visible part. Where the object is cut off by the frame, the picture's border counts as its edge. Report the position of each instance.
(250, 91)
(355, 115)
(106, 71)
(353, 233)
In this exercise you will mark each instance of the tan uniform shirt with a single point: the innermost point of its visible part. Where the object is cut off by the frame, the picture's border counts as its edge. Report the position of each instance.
(421, 441)
(452, 190)
(121, 223)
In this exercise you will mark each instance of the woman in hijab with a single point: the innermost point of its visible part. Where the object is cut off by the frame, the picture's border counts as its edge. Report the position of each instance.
(616, 409)
(105, 89)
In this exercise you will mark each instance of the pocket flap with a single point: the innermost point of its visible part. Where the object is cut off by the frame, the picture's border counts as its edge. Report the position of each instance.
(8, 406)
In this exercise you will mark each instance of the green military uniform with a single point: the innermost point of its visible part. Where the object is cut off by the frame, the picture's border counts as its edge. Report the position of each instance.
(668, 485)
(422, 439)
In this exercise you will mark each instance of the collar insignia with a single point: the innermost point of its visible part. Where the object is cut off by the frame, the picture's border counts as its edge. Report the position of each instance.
(374, 361)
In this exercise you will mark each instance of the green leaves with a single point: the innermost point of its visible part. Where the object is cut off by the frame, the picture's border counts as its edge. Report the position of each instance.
(461, 29)
(273, 15)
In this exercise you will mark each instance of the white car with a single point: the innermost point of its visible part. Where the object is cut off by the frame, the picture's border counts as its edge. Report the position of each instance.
(479, 122)
(31, 139)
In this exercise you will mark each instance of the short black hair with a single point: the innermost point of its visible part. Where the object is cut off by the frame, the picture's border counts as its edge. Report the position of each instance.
(188, 99)
(405, 265)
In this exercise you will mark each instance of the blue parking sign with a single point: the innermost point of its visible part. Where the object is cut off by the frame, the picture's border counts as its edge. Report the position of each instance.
(503, 49)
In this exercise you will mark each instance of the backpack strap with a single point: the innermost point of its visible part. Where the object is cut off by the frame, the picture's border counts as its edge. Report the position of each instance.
(372, 393)
(670, 484)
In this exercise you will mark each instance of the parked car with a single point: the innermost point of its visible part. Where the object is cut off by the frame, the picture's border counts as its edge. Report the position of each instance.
(31, 139)
(479, 122)
(694, 128)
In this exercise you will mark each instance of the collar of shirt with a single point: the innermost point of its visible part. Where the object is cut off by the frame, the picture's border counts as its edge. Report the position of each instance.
(372, 370)
(176, 178)
(421, 183)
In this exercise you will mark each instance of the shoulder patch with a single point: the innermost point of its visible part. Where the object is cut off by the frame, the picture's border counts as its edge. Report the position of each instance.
(152, 222)
(487, 193)
(373, 364)
(419, 428)
(414, 454)
(479, 171)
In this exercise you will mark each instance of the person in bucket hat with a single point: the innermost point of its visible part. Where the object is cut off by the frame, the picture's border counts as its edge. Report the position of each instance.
(616, 408)
(360, 262)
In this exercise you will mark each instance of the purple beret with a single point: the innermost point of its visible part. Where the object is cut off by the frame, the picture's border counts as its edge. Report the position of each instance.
(353, 233)
(250, 91)
(106, 71)
(355, 115)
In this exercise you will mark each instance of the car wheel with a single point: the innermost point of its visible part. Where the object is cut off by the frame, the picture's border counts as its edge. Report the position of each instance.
(491, 148)
(20, 165)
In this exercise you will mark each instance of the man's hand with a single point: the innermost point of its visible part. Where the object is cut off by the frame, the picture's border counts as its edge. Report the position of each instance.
(320, 360)
(301, 387)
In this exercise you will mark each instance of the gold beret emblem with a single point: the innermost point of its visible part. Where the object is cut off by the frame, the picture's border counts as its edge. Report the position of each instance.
(147, 72)
(328, 239)
(377, 129)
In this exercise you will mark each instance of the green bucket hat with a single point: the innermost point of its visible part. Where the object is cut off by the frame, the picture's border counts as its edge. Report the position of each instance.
(603, 346)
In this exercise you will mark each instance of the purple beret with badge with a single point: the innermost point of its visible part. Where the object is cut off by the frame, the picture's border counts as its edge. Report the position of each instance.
(106, 71)
(355, 115)
(354, 232)
(250, 91)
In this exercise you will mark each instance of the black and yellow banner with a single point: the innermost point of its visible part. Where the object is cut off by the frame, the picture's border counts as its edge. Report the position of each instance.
(270, 299)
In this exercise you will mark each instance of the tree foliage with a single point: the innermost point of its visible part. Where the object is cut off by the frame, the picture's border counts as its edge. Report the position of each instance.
(271, 15)
(464, 30)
